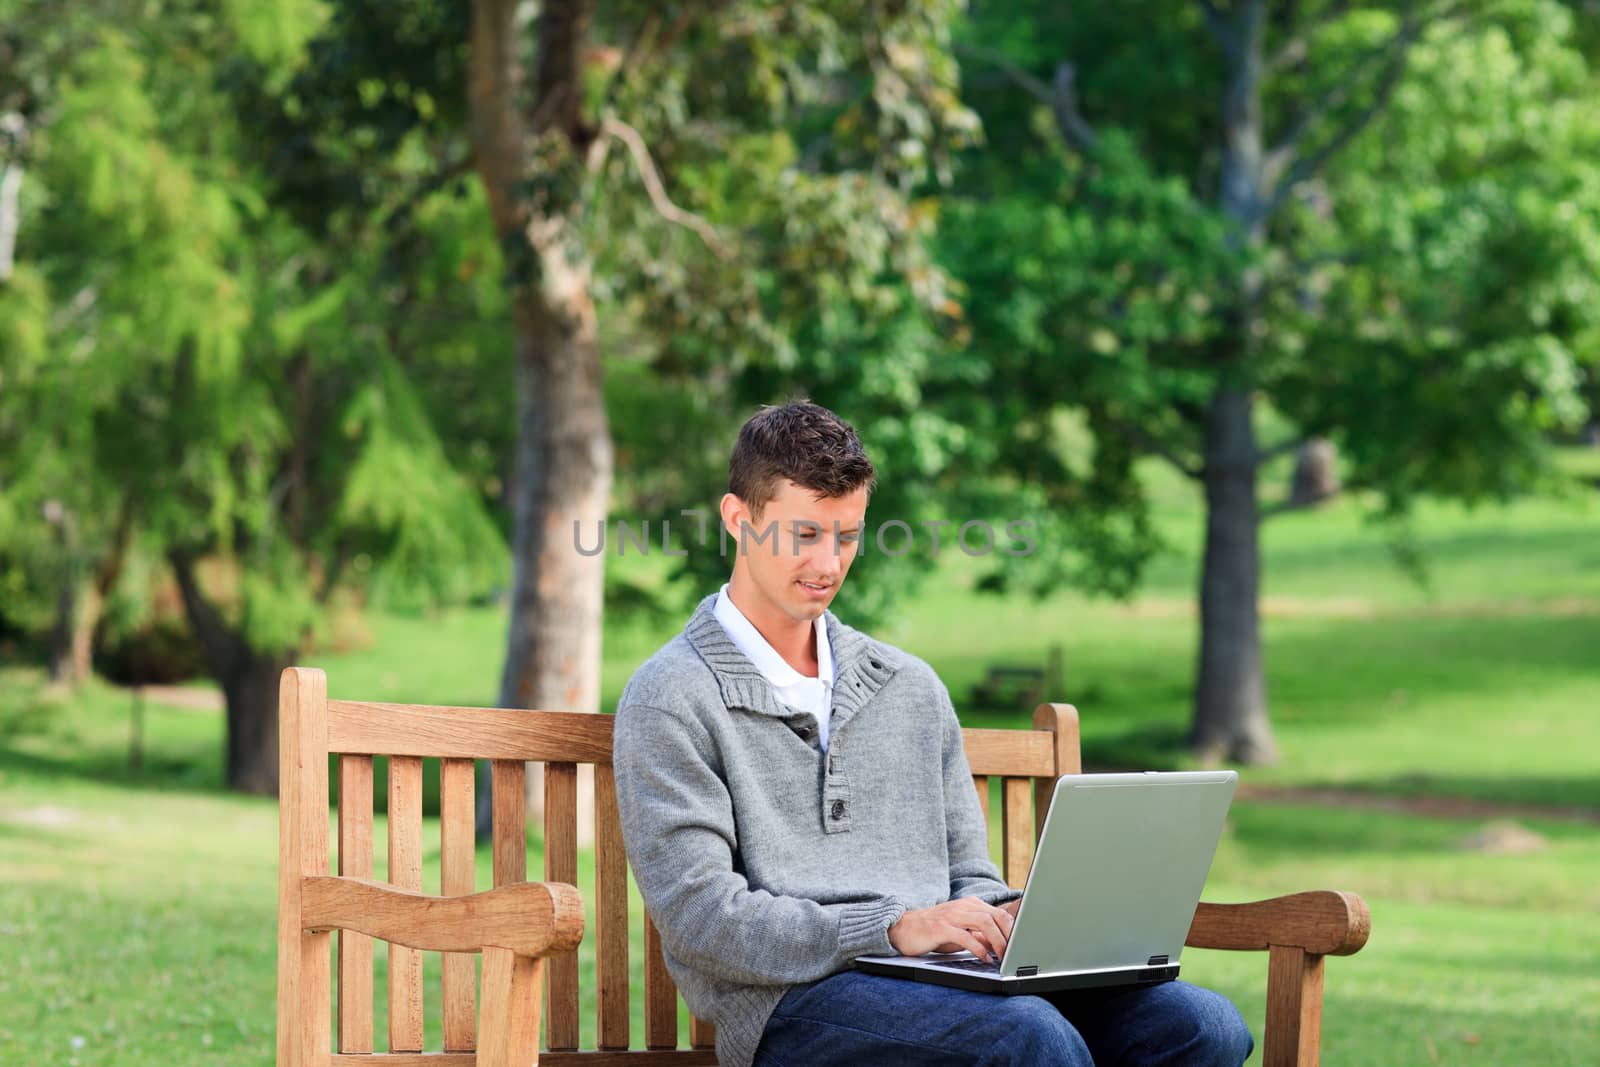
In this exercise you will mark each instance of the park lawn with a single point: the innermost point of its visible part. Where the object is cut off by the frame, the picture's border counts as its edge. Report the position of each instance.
(139, 926)
(137, 911)
(1482, 683)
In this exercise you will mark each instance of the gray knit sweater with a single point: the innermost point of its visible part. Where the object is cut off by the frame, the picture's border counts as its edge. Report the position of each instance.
(766, 863)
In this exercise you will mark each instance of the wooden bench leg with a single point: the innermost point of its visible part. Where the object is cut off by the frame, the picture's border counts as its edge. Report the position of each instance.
(509, 1026)
(1294, 1008)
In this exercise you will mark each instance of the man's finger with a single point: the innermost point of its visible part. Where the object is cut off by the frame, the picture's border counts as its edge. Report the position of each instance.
(986, 931)
(988, 940)
(979, 947)
(990, 931)
(971, 942)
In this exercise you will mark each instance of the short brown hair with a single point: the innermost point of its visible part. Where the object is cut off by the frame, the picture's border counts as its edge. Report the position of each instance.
(800, 442)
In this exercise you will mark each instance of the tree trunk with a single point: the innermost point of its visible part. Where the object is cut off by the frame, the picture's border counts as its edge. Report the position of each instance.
(249, 681)
(80, 607)
(251, 690)
(11, 173)
(69, 605)
(564, 449)
(68, 596)
(84, 627)
(1230, 697)
(564, 465)
(1230, 709)
(562, 485)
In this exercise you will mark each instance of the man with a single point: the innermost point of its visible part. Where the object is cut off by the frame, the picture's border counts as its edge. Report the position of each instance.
(794, 794)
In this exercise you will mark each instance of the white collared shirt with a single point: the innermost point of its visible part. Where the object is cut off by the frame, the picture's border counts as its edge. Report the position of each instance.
(813, 695)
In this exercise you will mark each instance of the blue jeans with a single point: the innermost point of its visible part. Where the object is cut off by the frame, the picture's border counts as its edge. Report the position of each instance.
(868, 1019)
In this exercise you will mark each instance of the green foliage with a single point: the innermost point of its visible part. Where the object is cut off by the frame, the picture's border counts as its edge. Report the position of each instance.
(1428, 302)
(1464, 322)
(1095, 296)
(121, 247)
(802, 153)
(257, 299)
(274, 34)
(181, 349)
(406, 514)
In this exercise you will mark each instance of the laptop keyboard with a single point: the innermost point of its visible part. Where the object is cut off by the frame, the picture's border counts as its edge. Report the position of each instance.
(980, 966)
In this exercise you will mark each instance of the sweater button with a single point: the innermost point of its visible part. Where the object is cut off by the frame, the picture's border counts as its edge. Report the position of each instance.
(837, 811)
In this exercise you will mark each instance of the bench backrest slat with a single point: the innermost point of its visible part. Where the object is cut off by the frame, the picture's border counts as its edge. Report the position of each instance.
(660, 993)
(405, 872)
(980, 782)
(1016, 829)
(458, 868)
(467, 733)
(508, 782)
(1024, 753)
(701, 1033)
(610, 913)
(561, 865)
(355, 861)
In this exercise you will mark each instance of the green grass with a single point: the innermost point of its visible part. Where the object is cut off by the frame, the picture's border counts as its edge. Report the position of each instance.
(1482, 683)
(137, 911)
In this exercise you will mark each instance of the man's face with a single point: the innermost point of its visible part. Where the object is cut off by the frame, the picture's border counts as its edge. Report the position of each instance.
(796, 553)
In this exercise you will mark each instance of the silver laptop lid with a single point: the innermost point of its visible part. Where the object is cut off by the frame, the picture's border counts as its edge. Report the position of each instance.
(1119, 870)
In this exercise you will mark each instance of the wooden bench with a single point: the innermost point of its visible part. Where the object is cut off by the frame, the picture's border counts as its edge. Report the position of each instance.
(527, 932)
(1007, 685)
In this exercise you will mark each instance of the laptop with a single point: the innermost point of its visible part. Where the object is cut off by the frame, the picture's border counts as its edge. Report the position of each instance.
(1113, 888)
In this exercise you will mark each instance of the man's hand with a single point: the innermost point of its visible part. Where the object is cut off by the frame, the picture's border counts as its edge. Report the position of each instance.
(1011, 907)
(967, 923)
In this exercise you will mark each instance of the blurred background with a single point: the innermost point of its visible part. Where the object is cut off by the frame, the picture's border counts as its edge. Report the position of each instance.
(409, 340)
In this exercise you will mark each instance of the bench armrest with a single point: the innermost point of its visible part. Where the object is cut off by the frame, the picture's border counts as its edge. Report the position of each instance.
(1322, 923)
(1297, 932)
(526, 918)
(514, 926)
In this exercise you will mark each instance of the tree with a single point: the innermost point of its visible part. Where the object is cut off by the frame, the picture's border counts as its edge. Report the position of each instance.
(552, 150)
(635, 200)
(1328, 209)
(64, 547)
(178, 352)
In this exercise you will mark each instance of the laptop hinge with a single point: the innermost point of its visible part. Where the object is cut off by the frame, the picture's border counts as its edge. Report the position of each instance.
(1156, 961)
